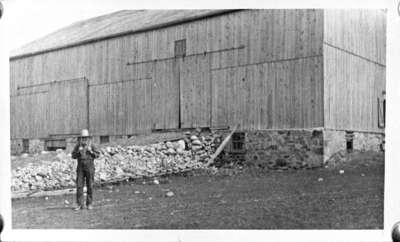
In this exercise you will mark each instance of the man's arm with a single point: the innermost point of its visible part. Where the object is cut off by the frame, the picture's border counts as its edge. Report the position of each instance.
(75, 152)
(94, 152)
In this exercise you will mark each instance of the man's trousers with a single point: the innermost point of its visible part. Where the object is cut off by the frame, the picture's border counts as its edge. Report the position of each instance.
(84, 173)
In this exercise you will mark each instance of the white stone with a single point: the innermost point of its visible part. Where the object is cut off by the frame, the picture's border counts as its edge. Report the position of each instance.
(341, 171)
(169, 194)
(196, 148)
(196, 142)
(171, 151)
(180, 151)
(169, 145)
(181, 144)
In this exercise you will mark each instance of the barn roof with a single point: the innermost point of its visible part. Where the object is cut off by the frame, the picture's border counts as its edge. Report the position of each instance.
(109, 26)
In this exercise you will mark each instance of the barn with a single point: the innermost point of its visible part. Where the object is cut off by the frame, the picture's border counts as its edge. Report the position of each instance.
(302, 84)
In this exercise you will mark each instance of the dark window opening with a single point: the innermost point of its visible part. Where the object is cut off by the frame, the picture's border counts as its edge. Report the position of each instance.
(54, 148)
(349, 145)
(55, 144)
(25, 145)
(180, 48)
(349, 141)
(104, 139)
(238, 141)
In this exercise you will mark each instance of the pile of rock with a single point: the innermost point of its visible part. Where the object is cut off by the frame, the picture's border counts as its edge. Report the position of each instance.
(119, 162)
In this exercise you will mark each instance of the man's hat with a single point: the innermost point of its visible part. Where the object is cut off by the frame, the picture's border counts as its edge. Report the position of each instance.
(85, 133)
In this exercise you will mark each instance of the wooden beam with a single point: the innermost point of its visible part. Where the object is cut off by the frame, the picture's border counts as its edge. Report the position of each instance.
(222, 146)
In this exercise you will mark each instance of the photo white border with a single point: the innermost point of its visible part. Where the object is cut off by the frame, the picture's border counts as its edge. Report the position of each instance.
(392, 167)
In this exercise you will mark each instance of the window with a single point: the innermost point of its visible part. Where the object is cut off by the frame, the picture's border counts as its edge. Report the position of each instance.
(55, 144)
(238, 140)
(25, 145)
(349, 141)
(104, 139)
(382, 110)
(180, 48)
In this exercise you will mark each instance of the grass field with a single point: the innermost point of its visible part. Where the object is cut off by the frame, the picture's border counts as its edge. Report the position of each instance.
(252, 199)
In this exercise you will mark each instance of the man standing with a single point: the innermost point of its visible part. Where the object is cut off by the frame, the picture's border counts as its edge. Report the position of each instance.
(85, 152)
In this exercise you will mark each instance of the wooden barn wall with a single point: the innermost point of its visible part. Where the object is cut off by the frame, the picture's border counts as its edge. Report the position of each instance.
(28, 117)
(354, 68)
(250, 40)
(269, 96)
(359, 31)
(352, 88)
(67, 107)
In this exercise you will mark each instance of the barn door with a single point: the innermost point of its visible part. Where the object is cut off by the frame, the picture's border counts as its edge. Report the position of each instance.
(165, 95)
(68, 107)
(195, 91)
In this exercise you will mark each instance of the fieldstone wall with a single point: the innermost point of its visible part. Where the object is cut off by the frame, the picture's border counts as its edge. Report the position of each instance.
(265, 148)
(36, 145)
(285, 149)
(16, 146)
(335, 141)
(117, 138)
(368, 141)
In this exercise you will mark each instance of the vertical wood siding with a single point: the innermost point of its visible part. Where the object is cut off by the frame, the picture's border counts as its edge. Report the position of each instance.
(195, 92)
(352, 87)
(354, 68)
(67, 107)
(253, 44)
(125, 106)
(360, 31)
(165, 95)
(265, 96)
(27, 120)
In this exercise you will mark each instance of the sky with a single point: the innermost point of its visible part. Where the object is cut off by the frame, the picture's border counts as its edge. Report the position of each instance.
(31, 19)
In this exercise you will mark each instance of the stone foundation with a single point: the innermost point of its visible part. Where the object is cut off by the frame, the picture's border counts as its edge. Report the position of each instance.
(267, 148)
(335, 141)
(289, 148)
(35, 146)
(368, 141)
(16, 146)
(301, 148)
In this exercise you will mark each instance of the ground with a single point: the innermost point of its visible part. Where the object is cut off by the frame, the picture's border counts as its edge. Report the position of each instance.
(252, 199)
